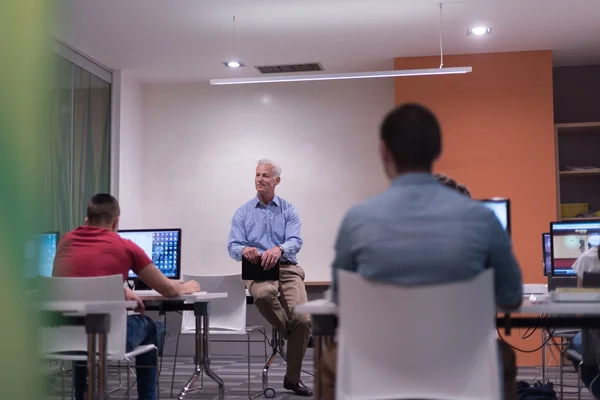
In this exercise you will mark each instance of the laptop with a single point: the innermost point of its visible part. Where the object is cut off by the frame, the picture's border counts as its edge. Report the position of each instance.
(255, 272)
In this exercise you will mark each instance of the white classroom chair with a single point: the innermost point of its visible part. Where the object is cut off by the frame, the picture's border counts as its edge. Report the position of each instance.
(417, 342)
(227, 316)
(69, 343)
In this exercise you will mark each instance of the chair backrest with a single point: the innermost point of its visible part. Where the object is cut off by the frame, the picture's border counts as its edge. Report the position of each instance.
(73, 338)
(417, 342)
(227, 314)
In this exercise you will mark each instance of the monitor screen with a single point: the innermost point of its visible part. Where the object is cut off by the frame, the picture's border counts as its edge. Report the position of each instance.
(568, 241)
(163, 247)
(500, 207)
(547, 254)
(40, 250)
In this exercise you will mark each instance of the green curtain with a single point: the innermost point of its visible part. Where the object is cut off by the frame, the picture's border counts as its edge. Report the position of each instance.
(78, 165)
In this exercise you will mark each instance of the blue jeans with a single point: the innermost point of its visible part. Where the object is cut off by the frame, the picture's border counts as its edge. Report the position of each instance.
(589, 373)
(141, 330)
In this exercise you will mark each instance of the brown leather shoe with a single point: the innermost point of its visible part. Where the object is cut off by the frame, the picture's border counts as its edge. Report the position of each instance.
(298, 388)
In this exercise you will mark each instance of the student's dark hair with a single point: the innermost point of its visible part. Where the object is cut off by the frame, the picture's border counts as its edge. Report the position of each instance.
(412, 134)
(452, 184)
(102, 209)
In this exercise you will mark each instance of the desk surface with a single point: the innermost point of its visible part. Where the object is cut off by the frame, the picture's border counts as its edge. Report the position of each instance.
(86, 306)
(326, 307)
(196, 297)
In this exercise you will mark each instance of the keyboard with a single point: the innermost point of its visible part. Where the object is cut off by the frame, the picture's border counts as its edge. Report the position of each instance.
(575, 296)
(535, 288)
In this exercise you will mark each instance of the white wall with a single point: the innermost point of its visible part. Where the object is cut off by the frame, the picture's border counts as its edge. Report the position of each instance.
(201, 144)
(131, 164)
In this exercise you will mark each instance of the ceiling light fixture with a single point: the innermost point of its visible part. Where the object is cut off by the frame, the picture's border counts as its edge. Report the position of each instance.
(233, 63)
(351, 75)
(342, 76)
(479, 31)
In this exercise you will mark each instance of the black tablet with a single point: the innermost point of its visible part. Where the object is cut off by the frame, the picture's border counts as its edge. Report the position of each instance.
(255, 272)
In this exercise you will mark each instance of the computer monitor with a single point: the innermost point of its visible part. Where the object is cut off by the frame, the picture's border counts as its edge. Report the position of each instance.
(163, 247)
(546, 253)
(500, 207)
(570, 239)
(40, 250)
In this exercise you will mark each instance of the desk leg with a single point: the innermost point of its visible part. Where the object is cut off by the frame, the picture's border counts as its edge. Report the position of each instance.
(202, 359)
(197, 361)
(317, 353)
(543, 356)
(91, 365)
(102, 366)
(206, 357)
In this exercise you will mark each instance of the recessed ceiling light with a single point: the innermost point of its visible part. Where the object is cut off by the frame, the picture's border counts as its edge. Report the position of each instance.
(233, 64)
(479, 31)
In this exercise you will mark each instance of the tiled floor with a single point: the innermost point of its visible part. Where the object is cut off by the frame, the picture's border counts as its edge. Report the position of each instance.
(233, 370)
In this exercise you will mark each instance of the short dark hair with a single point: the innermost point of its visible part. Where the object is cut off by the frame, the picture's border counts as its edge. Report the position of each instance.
(412, 134)
(452, 184)
(102, 209)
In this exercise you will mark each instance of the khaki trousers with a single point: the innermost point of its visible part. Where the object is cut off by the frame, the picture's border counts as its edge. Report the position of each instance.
(279, 312)
(328, 371)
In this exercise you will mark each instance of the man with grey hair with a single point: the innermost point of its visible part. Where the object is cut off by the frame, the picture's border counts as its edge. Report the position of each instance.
(266, 229)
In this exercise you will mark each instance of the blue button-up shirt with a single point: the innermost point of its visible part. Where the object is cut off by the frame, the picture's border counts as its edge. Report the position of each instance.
(264, 227)
(419, 232)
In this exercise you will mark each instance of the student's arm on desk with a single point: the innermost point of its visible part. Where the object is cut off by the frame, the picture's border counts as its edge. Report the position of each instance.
(165, 286)
(508, 283)
(130, 295)
(344, 258)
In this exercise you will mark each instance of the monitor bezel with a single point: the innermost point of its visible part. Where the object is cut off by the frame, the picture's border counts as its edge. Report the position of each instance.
(544, 251)
(571, 222)
(508, 211)
(178, 263)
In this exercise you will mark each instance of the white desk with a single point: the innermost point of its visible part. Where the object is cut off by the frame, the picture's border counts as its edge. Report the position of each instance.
(327, 307)
(96, 320)
(323, 311)
(86, 307)
(199, 303)
(560, 308)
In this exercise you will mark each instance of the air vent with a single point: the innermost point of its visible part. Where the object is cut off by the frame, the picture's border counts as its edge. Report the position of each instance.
(282, 69)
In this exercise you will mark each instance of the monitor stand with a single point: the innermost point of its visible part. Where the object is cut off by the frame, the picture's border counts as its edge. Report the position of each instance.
(567, 281)
(139, 284)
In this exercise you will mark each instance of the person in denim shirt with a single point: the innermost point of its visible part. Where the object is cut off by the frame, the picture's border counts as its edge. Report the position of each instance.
(387, 237)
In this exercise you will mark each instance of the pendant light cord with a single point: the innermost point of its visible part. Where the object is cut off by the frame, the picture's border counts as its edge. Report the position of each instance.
(234, 37)
(441, 36)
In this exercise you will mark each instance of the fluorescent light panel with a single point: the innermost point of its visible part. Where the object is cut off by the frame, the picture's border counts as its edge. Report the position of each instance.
(348, 75)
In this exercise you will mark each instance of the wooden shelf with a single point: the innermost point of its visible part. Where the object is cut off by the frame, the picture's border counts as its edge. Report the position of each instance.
(585, 172)
(581, 219)
(578, 125)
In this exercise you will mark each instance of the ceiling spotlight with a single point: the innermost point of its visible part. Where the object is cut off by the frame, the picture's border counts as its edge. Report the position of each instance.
(479, 31)
(233, 64)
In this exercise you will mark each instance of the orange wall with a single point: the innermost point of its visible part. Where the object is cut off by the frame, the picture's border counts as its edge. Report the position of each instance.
(498, 137)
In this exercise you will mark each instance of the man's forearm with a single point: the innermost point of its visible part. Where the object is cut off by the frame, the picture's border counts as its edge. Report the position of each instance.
(291, 247)
(235, 251)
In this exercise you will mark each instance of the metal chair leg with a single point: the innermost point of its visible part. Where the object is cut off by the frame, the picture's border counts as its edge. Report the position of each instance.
(175, 363)
(561, 369)
(269, 391)
(579, 380)
(248, 342)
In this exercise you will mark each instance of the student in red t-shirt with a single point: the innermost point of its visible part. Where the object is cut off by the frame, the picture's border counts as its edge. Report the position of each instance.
(96, 249)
